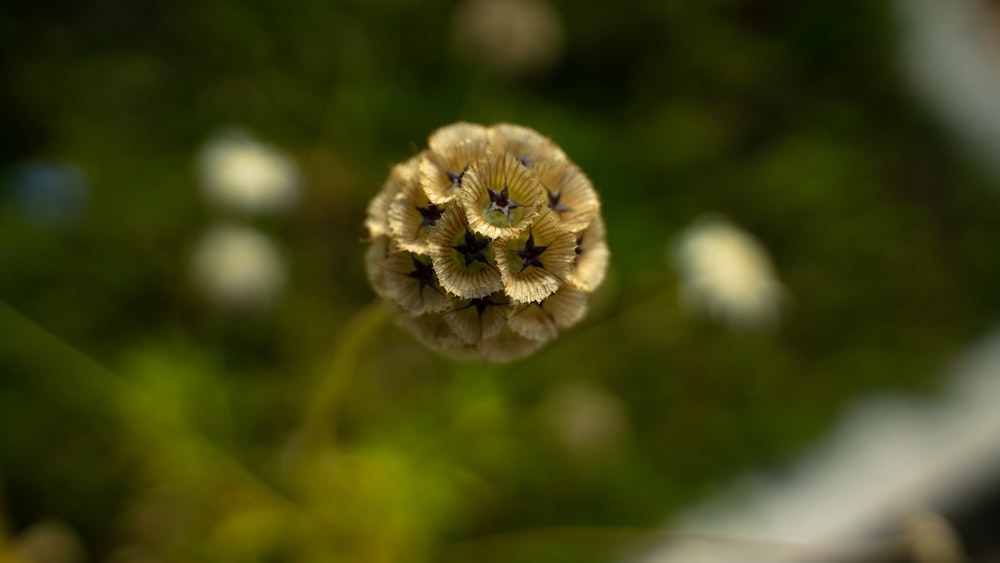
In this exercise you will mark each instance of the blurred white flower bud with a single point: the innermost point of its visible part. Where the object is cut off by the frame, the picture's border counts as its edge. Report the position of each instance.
(240, 174)
(516, 36)
(726, 274)
(237, 267)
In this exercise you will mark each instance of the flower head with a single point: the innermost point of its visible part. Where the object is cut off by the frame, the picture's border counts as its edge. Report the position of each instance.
(587, 270)
(726, 273)
(488, 243)
(535, 263)
(238, 268)
(453, 149)
(239, 173)
(410, 213)
(518, 37)
(500, 196)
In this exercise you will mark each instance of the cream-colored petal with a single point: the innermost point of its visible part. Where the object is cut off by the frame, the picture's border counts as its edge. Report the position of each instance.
(450, 137)
(506, 346)
(376, 220)
(525, 282)
(412, 284)
(432, 331)
(453, 149)
(526, 145)
(401, 176)
(497, 173)
(476, 319)
(567, 306)
(533, 321)
(569, 193)
(467, 280)
(376, 263)
(591, 263)
(411, 216)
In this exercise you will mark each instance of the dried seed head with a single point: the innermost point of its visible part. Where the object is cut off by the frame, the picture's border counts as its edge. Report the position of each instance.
(508, 345)
(535, 264)
(533, 321)
(377, 265)
(463, 260)
(477, 319)
(566, 306)
(377, 220)
(569, 193)
(410, 281)
(591, 263)
(410, 213)
(526, 145)
(488, 243)
(453, 149)
(500, 196)
(432, 331)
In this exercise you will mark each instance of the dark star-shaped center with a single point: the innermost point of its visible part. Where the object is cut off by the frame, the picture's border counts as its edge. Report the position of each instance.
(472, 249)
(423, 273)
(554, 202)
(480, 303)
(501, 202)
(531, 254)
(429, 215)
(456, 179)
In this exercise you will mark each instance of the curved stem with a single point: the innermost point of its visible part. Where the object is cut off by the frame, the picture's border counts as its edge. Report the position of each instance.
(319, 423)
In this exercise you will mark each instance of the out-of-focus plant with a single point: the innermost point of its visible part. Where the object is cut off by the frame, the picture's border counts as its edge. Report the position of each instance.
(727, 274)
(518, 37)
(240, 174)
(238, 268)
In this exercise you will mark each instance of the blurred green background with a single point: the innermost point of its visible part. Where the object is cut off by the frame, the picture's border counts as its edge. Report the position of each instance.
(158, 427)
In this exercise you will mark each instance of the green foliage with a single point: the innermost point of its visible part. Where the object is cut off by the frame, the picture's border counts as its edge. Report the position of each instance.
(316, 430)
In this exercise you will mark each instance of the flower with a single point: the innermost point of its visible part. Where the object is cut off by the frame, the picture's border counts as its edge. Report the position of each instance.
(410, 213)
(500, 196)
(452, 150)
(535, 264)
(463, 259)
(238, 268)
(240, 174)
(570, 194)
(487, 243)
(587, 270)
(727, 274)
(526, 145)
(519, 37)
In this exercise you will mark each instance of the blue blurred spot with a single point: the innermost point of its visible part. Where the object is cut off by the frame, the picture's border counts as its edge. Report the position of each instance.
(47, 192)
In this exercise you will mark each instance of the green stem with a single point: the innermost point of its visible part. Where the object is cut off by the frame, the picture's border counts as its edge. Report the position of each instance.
(319, 424)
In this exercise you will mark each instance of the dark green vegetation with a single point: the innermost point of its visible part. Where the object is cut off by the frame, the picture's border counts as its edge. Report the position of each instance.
(121, 393)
